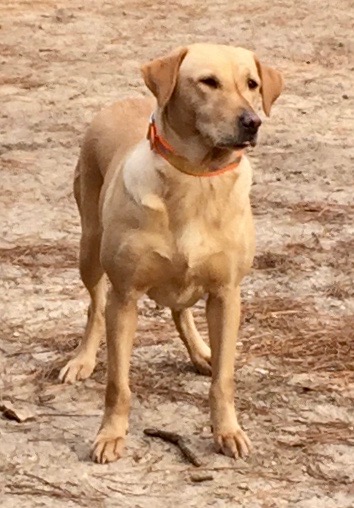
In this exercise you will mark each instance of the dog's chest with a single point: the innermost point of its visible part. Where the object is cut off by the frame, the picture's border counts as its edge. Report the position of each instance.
(202, 224)
(183, 279)
(198, 259)
(204, 244)
(196, 242)
(192, 236)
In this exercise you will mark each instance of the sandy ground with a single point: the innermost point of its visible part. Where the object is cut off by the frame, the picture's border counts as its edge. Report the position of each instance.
(60, 63)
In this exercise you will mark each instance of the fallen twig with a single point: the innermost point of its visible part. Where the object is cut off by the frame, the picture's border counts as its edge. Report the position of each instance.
(176, 439)
(199, 478)
(70, 415)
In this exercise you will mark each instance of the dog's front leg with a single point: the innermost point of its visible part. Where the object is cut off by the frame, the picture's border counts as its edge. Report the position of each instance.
(223, 315)
(121, 321)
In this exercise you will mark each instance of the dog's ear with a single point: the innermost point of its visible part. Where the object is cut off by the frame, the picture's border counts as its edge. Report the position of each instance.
(271, 85)
(160, 75)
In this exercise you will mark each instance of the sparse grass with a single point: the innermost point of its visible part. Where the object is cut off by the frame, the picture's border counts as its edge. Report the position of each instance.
(341, 289)
(295, 333)
(330, 213)
(322, 212)
(274, 261)
(339, 257)
(54, 256)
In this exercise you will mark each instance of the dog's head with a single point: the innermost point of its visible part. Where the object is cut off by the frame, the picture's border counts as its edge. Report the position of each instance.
(212, 90)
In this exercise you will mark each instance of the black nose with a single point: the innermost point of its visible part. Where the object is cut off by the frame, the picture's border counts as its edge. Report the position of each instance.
(250, 121)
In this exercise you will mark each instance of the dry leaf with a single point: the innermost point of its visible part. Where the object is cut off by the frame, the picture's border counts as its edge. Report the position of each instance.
(19, 414)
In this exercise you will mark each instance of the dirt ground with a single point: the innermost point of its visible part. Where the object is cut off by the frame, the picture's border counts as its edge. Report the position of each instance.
(60, 63)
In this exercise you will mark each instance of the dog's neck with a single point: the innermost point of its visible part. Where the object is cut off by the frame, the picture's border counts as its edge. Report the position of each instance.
(191, 145)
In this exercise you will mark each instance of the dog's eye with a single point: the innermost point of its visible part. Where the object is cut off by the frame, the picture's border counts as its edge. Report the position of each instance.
(211, 82)
(252, 84)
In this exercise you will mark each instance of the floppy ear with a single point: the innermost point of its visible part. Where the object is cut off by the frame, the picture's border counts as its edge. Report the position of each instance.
(160, 75)
(271, 85)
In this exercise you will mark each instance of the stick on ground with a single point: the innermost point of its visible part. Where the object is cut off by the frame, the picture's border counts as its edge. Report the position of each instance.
(176, 439)
(199, 478)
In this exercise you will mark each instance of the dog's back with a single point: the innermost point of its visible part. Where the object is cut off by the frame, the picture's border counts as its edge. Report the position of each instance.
(112, 133)
(115, 130)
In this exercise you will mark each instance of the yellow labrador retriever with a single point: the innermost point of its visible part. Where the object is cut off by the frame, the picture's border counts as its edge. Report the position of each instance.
(169, 216)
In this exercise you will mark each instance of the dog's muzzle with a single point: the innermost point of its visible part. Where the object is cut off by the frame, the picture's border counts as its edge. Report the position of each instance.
(248, 125)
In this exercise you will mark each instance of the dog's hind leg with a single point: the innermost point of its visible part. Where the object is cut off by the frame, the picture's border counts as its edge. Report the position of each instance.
(87, 186)
(198, 350)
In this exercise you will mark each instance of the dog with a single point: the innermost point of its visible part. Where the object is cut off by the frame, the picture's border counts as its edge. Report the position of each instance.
(162, 185)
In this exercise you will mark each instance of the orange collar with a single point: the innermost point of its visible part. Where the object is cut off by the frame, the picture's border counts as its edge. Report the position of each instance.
(162, 147)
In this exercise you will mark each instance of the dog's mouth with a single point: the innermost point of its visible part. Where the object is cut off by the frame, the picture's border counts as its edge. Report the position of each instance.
(232, 145)
(244, 145)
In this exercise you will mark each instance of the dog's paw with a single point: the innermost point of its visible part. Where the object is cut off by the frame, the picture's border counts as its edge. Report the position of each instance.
(77, 369)
(202, 364)
(233, 443)
(107, 448)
